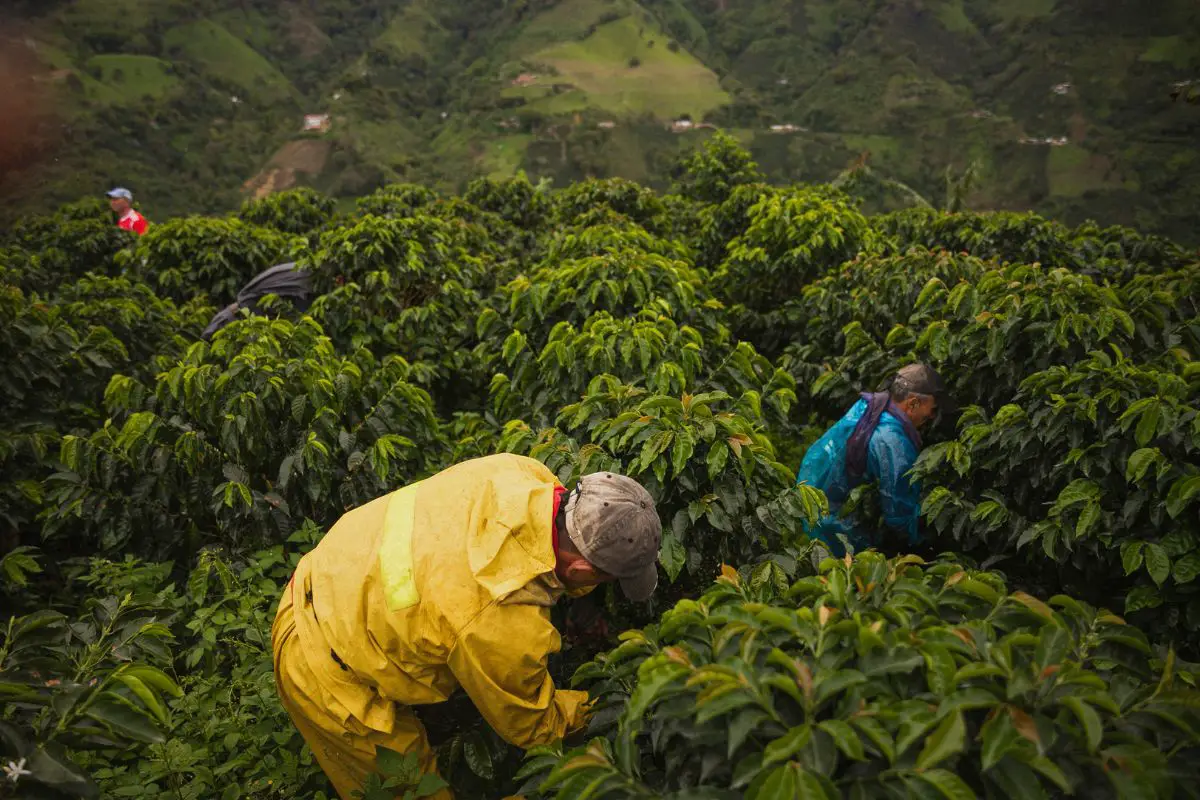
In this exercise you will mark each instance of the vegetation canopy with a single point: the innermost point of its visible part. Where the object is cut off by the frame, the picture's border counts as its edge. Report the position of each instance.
(157, 489)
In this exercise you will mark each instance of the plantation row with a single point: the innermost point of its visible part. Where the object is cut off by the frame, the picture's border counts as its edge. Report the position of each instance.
(156, 489)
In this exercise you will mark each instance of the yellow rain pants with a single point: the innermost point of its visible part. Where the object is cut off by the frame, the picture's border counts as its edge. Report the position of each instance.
(444, 583)
(344, 749)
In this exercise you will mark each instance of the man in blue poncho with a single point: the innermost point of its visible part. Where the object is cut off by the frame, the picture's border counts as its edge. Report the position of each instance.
(876, 441)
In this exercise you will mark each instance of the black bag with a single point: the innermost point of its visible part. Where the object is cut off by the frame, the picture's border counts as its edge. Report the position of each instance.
(283, 280)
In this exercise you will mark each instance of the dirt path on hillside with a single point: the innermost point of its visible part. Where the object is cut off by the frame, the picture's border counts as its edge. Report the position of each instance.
(306, 156)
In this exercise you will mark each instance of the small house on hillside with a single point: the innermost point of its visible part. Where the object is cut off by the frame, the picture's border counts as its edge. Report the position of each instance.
(681, 125)
(316, 122)
(525, 79)
(607, 125)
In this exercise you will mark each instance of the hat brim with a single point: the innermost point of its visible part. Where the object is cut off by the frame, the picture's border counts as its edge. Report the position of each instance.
(639, 587)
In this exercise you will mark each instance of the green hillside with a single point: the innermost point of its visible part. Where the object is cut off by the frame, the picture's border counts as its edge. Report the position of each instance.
(624, 67)
(1061, 106)
(225, 57)
(129, 78)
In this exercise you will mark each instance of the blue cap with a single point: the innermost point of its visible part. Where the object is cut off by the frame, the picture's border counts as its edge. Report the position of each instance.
(124, 194)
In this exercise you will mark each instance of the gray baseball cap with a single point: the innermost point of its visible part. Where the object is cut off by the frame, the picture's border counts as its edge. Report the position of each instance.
(612, 521)
(924, 379)
(124, 194)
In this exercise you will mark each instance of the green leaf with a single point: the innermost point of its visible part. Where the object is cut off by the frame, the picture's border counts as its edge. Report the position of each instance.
(672, 555)
(17, 563)
(787, 745)
(52, 768)
(1139, 462)
(717, 517)
(478, 756)
(1087, 519)
(788, 782)
(1182, 491)
(1077, 491)
(430, 784)
(978, 589)
(1014, 779)
(1147, 426)
(939, 668)
(844, 737)
(1051, 772)
(143, 693)
(999, 737)
(1142, 597)
(682, 451)
(741, 727)
(778, 784)
(718, 454)
(155, 678)
(1158, 564)
(1187, 568)
(1131, 555)
(949, 738)
(125, 722)
(394, 764)
(874, 730)
(948, 784)
(1088, 719)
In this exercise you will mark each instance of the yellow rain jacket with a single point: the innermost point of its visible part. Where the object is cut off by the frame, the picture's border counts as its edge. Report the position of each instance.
(445, 583)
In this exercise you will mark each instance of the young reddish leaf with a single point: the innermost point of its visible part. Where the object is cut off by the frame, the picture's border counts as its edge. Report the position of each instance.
(1025, 725)
(1033, 604)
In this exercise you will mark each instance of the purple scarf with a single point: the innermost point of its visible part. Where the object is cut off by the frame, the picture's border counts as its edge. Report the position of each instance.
(856, 445)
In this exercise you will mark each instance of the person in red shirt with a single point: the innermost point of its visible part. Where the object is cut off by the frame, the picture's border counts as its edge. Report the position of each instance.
(128, 219)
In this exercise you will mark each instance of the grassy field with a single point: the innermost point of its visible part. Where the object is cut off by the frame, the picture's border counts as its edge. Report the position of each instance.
(502, 156)
(408, 32)
(885, 150)
(625, 67)
(227, 57)
(130, 78)
(1072, 170)
(386, 144)
(569, 19)
(1178, 51)
(952, 16)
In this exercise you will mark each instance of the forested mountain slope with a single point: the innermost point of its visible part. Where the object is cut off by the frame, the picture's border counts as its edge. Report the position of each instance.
(1077, 109)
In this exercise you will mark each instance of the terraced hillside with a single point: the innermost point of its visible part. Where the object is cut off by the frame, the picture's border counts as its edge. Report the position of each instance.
(1063, 106)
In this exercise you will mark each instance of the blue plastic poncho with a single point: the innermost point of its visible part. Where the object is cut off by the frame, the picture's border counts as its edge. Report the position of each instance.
(890, 455)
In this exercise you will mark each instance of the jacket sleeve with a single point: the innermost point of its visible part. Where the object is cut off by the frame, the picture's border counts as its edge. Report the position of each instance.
(500, 659)
(890, 456)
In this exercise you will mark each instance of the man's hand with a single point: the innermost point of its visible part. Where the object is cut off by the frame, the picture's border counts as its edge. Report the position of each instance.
(585, 620)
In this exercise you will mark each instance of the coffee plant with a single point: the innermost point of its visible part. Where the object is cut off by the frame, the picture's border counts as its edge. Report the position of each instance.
(878, 678)
(157, 489)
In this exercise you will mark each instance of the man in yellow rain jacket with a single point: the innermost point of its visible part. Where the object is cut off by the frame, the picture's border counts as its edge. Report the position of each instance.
(449, 582)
